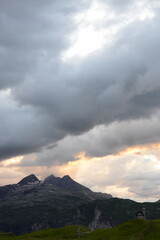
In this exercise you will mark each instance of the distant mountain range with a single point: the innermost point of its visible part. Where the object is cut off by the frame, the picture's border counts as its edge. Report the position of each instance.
(32, 204)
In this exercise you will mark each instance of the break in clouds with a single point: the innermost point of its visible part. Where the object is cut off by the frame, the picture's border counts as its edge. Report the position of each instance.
(101, 103)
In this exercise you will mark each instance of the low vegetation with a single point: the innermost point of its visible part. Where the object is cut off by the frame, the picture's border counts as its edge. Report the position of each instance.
(131, 230)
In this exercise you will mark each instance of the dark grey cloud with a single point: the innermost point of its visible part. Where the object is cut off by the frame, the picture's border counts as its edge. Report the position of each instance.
(99, 141)
(31, 31)
(51, 99)
(105, 86)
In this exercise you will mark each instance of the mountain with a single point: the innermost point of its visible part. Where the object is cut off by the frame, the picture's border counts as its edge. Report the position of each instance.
(29, 180)
(52, 180)
(66, 183)
(32, 204)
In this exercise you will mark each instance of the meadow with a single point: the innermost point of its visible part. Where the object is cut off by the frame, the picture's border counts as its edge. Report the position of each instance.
(131, 230)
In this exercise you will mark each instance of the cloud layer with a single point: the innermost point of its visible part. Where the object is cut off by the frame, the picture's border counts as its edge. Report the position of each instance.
(51, 107)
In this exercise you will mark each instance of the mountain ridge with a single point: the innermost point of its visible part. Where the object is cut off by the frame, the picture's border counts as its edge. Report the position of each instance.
(34, 205)
(66, 183)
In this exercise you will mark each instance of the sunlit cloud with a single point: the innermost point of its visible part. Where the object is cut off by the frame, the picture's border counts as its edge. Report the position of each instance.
(80, 93)
(5, 93)
(141, 149)
(11, 162)
(118, 174)
(125, 174)
(98, 25)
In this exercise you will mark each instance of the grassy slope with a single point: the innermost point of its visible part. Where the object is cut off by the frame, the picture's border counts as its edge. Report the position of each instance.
(131, 230)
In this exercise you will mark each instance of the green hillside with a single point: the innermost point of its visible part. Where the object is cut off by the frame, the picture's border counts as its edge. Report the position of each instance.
(131, 230)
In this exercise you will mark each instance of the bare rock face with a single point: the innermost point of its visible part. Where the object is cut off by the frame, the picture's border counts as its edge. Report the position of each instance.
(98, 222)
(66, 183)
(52, 180)
(29, 180)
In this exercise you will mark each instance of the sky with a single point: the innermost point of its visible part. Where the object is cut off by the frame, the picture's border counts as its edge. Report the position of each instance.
(80, 93)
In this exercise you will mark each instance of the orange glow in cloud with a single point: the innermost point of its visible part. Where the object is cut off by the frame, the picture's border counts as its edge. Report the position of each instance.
(82, 155)
(106, 174)
(12, 161)
(82, 161)
(133, 150)
(139, 149)
(155, 145)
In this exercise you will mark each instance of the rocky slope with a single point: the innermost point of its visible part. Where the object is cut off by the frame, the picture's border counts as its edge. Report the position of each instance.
(32, 205)
(66, 183)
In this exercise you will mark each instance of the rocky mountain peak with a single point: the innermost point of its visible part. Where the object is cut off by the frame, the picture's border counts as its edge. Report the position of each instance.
(28, 180)
(52, 180)
(67, 177)
(66, 183)
(31, 199)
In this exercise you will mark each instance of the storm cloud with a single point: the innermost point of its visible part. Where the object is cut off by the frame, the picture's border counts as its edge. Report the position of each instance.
(47, 101)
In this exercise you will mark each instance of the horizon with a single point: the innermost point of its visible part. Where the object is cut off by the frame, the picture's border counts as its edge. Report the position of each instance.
(42, 180)
(80, 93)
